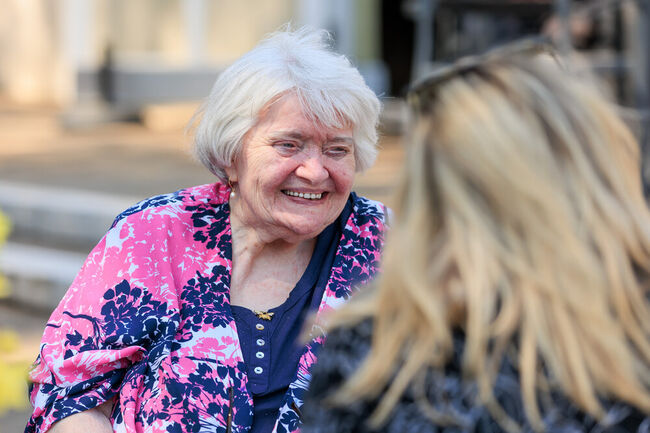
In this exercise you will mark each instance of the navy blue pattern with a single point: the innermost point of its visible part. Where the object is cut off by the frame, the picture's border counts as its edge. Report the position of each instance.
(153, 202)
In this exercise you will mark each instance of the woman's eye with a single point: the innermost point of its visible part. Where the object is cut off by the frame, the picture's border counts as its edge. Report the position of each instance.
(337, 151)
(286, 146)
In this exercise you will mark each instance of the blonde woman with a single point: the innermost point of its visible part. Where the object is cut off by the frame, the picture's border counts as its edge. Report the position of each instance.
(515, 288)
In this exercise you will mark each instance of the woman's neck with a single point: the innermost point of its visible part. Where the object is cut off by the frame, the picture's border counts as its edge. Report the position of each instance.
(263, 271)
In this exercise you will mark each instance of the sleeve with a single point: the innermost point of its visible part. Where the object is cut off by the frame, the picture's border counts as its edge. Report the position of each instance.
(111, 316)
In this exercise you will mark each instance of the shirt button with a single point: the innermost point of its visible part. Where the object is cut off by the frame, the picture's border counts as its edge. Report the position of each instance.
(260, 355)
(258, 370)
(260, 342)
(259, 327)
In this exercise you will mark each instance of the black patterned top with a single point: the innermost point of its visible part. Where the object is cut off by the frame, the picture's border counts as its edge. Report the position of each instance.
(447, 392)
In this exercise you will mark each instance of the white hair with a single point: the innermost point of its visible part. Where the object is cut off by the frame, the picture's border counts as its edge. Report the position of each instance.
(330, 89)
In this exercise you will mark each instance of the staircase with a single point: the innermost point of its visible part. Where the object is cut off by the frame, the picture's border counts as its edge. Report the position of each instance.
(53, 231)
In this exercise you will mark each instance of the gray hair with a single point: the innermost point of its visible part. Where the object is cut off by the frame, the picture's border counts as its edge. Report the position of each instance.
(328, 87)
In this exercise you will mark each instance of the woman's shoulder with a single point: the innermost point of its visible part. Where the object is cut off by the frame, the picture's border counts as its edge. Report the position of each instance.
(341, 355)
(448, 392)
(178, 201)
(346, 347)
(344, 350)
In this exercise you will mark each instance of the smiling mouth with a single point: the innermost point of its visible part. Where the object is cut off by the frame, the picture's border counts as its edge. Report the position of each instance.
(306, 195)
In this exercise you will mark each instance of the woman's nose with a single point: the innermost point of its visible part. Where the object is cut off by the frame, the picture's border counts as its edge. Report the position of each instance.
(312, 168)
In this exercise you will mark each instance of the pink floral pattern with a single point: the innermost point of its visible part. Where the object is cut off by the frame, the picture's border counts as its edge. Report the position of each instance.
(148, 320)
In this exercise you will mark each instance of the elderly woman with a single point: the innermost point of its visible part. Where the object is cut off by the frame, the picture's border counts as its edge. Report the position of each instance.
(185, 317)
(521, 254)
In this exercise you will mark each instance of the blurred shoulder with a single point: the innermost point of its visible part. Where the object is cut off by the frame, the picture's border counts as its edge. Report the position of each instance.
(344, 350)
(348, 344)
(342, 353)
(447, 391)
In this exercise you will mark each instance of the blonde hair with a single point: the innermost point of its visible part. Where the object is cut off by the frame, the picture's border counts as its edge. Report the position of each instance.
(520, 220)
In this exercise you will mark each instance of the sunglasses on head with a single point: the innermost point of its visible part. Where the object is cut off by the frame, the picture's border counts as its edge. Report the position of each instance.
(424, 89)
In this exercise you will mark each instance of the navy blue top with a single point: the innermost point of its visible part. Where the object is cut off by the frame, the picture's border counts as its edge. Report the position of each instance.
(270, 347)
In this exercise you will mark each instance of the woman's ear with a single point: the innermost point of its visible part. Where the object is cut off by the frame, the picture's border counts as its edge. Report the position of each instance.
(231, 172)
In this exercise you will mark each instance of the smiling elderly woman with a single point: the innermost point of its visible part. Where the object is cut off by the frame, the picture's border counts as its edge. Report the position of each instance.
(185, 317)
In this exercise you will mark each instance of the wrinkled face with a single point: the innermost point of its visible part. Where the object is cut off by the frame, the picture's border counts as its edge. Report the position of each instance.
(292, 176)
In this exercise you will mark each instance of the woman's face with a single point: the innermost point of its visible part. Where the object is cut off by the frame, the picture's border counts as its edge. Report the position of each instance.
(293, 176)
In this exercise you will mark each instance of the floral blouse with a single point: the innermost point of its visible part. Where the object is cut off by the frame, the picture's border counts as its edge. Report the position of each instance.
(148, 320)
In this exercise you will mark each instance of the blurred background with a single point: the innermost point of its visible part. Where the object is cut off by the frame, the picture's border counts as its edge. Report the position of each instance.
(95, 95)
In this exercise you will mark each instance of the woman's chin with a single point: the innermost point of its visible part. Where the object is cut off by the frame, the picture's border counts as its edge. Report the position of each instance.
(303, 230)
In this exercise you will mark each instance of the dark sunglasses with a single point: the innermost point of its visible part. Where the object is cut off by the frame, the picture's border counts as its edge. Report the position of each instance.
(423, 89)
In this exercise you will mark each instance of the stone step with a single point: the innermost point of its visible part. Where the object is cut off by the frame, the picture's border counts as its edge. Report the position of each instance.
(38, 276)
(53, 230)
(63, 218)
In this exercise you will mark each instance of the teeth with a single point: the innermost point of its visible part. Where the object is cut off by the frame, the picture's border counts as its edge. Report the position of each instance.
(309, 196)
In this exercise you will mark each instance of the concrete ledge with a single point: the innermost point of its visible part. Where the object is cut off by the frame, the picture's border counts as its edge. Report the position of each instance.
(168, 117)
(39, 277)
(57, 215)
